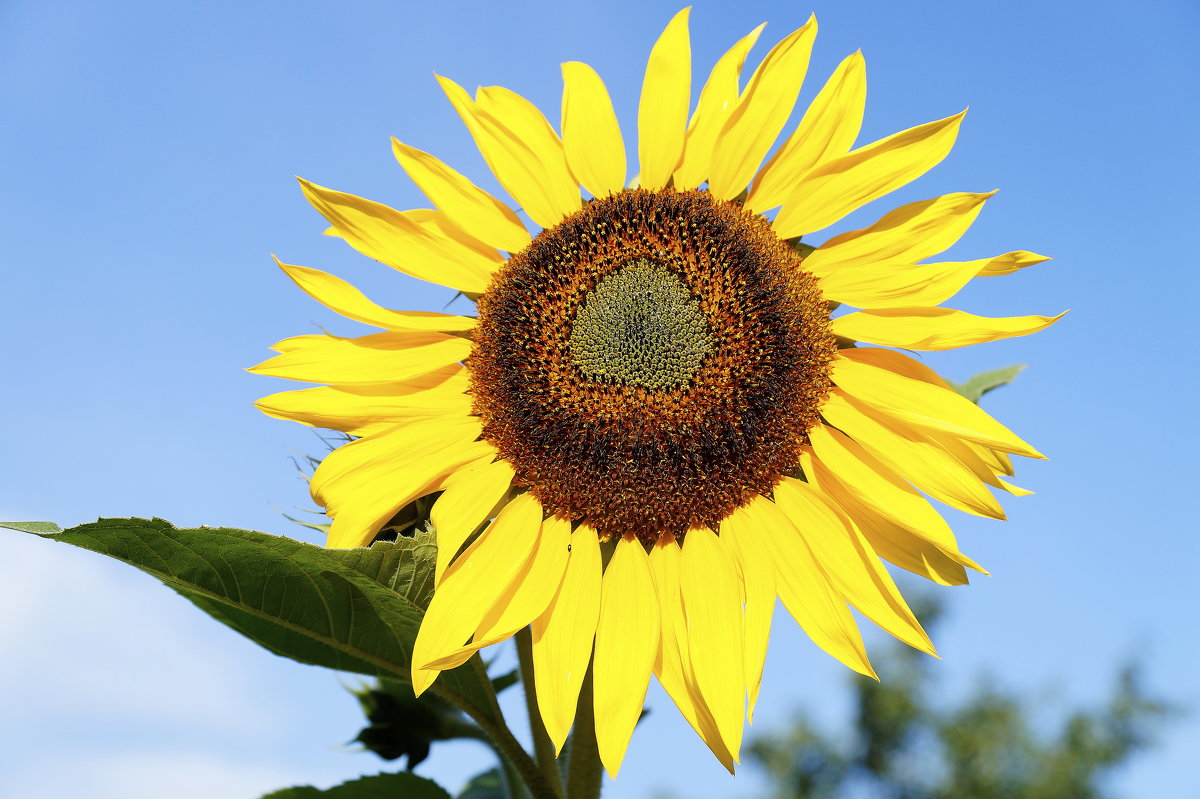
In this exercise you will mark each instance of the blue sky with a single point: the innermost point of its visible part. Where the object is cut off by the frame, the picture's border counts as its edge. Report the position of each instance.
(146, 174)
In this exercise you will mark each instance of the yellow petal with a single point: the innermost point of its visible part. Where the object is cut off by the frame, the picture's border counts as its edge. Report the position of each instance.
(761, 113)
(845, 184)
(527, 130)
(901, 548)
(1011, 262)
(338, 295)
(422, 251)
(758, 582)
(969, 454)
(896, 362)
(663, 110)
(439, 222)
(664, 559)
(885, 534)
(827, 131)
(626, 642)
(470, 499)
(889, 540)
(362, 484)
(985, 463)
(917, 402)
(852, 566)
(521, 149)
(713, 603)
(1000, 462)
(934, 328)
(717, 101)
(526, 598)
(899, 285)
(470, 207)
(474, 584)
(535, 589)
(562, 636)
(590, 133)
(906, 235)
(377, 358)
(858, 472)
(911, 456)
(673, 664)
(804, 587)
(352, 409)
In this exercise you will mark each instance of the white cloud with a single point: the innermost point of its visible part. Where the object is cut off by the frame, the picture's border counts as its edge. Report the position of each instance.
(148, 774)
(93, 639)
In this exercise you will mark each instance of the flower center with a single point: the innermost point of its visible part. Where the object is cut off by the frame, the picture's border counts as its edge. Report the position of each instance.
(652, 362)
(640, 326)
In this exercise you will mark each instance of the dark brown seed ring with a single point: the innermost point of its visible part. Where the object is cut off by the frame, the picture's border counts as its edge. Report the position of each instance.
(652, 362)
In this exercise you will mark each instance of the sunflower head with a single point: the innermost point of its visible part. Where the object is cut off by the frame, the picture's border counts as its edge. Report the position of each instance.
(656, 366)
(652, 362)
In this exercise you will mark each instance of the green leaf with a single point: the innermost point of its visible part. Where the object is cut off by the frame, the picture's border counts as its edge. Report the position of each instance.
(488, 785)
(33, 527)
(984, 382)
(380, 786)
(405, 565)
(324, 607)
(403, 725)
(499, 683)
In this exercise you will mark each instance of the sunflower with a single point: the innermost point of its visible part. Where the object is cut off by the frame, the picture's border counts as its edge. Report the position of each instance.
(656, 423)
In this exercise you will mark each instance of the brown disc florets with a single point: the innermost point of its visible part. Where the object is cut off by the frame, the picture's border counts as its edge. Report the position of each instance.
(652, 362)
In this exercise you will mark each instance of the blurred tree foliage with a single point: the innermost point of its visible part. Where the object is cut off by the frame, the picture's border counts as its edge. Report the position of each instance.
(993, 745)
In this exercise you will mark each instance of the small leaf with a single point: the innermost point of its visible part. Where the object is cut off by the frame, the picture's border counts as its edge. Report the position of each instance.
(506, 680)
(33, 527)
(984, 382)
(488, 785)
(401, 724)
(324, 607)
(400, 786)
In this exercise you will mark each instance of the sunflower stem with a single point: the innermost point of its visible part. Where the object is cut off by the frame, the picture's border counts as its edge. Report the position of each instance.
(584, 770)
(514, 785)
(543, 747)
(515, 763)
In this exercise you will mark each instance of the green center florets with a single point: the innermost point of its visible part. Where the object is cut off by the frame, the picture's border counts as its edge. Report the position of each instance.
(640, 326)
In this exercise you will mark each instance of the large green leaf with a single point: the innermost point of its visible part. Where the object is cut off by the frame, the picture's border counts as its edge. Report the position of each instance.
(381, 786)
(352, 610)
